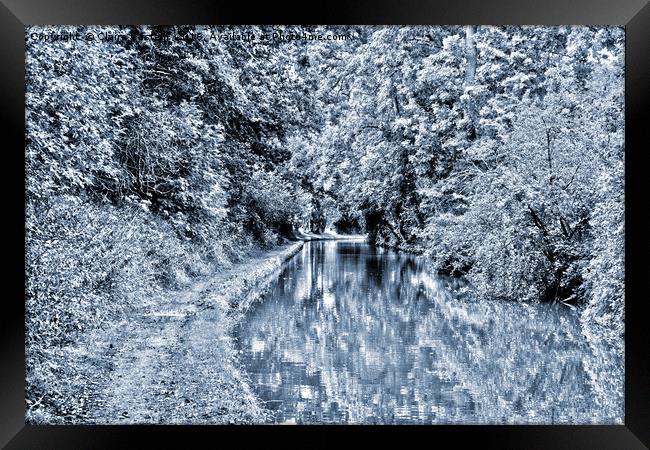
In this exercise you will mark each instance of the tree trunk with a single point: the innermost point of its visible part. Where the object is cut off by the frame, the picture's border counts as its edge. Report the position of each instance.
(470, 75)
(470, 51)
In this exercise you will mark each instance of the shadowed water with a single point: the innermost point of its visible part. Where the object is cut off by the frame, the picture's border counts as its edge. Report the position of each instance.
(354, 334)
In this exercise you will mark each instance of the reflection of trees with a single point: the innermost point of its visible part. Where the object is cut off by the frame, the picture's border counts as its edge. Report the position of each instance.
(605, 367)
(359, 334)
(521, 363)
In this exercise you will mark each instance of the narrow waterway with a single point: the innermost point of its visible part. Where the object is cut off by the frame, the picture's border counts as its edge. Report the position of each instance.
(350, 333)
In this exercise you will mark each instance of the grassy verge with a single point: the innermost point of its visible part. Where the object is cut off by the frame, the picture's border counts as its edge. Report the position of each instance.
(175, 361)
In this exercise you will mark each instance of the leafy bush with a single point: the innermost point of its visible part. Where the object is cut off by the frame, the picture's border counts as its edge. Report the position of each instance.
(604, 274)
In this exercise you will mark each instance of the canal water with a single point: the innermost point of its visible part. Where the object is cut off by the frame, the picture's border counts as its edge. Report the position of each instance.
(351, 333)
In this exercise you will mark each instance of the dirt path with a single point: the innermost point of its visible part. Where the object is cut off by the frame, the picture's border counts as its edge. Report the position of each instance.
(177, 364)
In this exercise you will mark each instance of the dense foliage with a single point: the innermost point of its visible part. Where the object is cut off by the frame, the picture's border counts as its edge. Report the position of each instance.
(149, 162)
(495, 151)
(498, 152)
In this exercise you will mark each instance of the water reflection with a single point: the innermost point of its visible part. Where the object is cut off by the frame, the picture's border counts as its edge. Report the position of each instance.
(354, 334)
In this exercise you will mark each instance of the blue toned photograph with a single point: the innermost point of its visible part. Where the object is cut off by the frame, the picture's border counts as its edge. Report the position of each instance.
(325, 225)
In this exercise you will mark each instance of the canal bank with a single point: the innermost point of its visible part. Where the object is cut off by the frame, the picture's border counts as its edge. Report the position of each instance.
(178, 363)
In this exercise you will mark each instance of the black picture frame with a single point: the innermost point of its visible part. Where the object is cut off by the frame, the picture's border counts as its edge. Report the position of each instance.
(633, 14)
